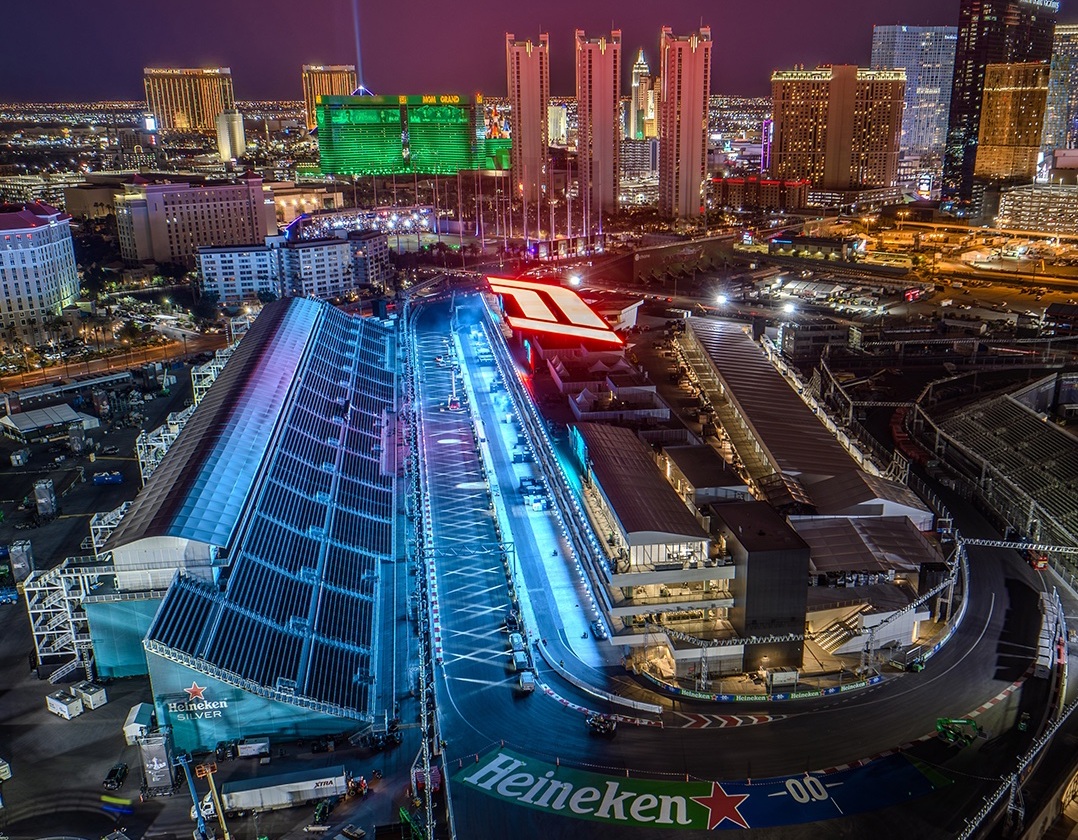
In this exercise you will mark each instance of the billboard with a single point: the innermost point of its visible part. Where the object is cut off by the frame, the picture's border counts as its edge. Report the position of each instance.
(534, 307)
(155, 752)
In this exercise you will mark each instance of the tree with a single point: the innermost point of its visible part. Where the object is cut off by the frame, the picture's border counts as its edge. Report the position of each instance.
(266, 296)
(206, 306)
(130, 331)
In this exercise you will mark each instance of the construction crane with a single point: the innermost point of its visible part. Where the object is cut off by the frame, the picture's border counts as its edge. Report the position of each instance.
(204, 832)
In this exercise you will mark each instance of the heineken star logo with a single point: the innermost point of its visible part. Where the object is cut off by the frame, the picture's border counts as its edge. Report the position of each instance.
(722, 806)
(195, 691)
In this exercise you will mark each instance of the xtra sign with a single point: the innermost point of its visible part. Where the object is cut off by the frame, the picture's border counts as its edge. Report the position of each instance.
(702, 805)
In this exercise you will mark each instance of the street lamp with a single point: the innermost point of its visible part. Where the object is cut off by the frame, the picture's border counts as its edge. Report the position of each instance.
(722, 300)
(574, 280)
(788, 307)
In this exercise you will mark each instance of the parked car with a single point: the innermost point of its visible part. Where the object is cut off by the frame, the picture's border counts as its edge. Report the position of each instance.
(116, 777)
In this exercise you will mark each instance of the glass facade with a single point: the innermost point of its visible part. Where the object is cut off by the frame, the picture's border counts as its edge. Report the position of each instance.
(397, 135)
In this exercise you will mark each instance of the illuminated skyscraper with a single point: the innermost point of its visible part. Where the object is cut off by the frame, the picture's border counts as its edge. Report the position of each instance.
(231, 142)
(926, 53)
(638, 104)
(188, 100)
(685, 64)
(1061, 112)
(989, 32)
(325, 80)
(598, 136)
(1011, 118)
(38, 277)
(528, 82)
(837, 127)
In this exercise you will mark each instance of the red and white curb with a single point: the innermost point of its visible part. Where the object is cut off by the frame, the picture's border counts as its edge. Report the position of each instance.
(984, 707)
(697, 721)
(576, 707)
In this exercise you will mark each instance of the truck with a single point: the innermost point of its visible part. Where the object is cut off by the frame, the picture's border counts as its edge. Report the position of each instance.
(108, 478)
(270, 793)
(253, 747)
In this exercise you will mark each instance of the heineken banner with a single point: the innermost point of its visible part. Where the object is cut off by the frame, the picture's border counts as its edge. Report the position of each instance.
(617, 800)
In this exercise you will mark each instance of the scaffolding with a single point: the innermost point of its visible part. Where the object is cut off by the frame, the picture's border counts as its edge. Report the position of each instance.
(101, 527)
(203, 376)
(58, 621)
(150, 447)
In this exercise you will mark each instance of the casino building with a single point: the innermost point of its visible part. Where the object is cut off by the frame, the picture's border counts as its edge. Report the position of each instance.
(391, 135)
(246, 577)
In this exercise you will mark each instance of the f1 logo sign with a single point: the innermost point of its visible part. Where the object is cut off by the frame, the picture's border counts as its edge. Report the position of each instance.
(551, 309)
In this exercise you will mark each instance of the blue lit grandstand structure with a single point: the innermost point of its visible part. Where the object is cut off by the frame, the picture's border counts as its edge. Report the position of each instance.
(276, 505)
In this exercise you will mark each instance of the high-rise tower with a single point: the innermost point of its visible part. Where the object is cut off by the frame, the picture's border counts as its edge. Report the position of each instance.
(598, 96)
(639, 102)
(926, 53)
(685, 64)
(188, 100)
(989, 32)
(837, 126)
(325, 80)
(1061, 112)
(528, 82)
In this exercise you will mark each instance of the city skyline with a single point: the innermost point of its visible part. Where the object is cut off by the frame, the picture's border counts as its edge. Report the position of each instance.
(266, 58)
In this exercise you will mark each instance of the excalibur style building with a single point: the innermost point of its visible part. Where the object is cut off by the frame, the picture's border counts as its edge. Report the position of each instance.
(188, 100)
(989, 32)
(685, 64)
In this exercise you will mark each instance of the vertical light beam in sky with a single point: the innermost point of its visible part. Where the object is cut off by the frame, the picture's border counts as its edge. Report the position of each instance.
(359, 57)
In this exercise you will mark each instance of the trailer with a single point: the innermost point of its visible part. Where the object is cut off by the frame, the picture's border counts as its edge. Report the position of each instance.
(253, 748)
(91, 694)
(270, 793)
(63, 705)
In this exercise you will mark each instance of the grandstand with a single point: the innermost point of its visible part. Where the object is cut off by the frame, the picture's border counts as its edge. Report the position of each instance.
(270, 517)
(1033, 462)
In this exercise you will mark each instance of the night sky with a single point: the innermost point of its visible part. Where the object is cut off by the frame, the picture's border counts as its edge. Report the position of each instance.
(96, 50)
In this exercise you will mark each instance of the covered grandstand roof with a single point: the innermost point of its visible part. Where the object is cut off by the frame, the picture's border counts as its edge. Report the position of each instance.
(791, 436)
(869, 544)
(199, 489)
(1036, 456)
(308, 499)
(642, 500)
(702, 466)
(855, 490)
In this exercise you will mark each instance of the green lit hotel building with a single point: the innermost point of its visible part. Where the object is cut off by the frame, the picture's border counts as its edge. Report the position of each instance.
(433, 134)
